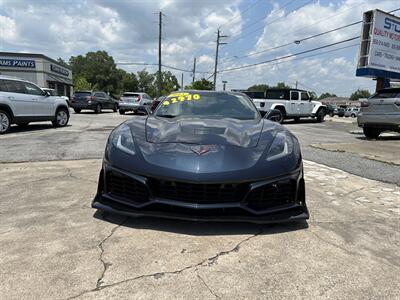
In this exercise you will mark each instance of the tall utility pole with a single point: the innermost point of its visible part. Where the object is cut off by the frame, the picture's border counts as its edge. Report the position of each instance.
(159, 53)
(194, 70)
(216, 57)
(182, 82)
(296, 84)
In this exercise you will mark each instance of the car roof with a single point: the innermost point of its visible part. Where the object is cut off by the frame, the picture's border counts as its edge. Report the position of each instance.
(13, 78)
(140, 93)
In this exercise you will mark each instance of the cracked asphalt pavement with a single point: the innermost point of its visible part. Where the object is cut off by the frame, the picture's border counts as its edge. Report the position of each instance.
(53, 245)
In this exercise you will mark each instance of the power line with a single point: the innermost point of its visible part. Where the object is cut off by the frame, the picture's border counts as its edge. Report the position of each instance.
(240, 14)
(269, 23)
(300, 40)
(288, 56)
(263, 18)
(295, 41)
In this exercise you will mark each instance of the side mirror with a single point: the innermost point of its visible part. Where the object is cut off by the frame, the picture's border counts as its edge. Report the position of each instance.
(144, 110)
(274, 115)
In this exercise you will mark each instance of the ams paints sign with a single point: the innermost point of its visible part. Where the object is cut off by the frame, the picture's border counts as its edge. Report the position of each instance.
(17, 63)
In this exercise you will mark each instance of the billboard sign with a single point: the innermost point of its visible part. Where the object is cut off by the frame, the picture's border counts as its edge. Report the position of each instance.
(59, 70)
(380, 45)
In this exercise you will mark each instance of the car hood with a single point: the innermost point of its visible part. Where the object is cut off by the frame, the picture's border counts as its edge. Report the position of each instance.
(242, 133)
(233, 150)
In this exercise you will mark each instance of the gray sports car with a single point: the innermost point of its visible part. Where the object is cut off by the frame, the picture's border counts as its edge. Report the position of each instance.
(203, 155)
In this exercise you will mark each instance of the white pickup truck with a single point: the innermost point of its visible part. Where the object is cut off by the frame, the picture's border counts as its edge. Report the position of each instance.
(292, 103)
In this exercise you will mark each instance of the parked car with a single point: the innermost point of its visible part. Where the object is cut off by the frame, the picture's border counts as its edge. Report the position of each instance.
(53, 92)
(351, 112)
(204, 156)
(130, 101)
(156, 102)
(22, 102)
(340, 112)
(330, 109)
(381, 112)
(293, 104)
(93, 100)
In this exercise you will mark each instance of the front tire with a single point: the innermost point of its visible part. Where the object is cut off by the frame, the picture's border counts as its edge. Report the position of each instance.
(98, 109)
(371, 133)
(296, 119)
(115, 108)
(62, 118)
(283, 115)
(121, 112)
(320, 116)
(77, 110)
(5, 122)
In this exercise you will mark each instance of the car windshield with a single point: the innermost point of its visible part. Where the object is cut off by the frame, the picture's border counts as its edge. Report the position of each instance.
(208, 105)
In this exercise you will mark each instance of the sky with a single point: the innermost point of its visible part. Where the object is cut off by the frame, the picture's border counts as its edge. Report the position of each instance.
(128, 30)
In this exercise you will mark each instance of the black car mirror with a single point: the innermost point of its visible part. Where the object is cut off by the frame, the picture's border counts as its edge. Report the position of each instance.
(144, 110)
(46, 94)
(274, 115)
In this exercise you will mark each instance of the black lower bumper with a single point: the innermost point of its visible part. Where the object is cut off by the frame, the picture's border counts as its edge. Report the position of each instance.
(239, 211)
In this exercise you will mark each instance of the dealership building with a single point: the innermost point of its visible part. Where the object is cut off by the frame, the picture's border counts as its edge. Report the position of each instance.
(38, 68)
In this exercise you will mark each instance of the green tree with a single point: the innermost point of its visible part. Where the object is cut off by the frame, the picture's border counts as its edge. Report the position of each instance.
(128, 82)
(98, 68)
(258, 88)
(282, 85)
(360, 94)
(146, 82)
(81, 84)
(202, 84)
(326, 95)
(169, 82)
(62, 62)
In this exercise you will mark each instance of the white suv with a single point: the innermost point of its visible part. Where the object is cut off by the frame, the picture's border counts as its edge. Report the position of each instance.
(22, 102)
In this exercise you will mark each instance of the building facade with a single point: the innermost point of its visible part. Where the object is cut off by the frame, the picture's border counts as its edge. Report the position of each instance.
(38, 68)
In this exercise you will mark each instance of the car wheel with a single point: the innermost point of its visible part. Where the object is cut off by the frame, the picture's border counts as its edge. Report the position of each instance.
(23, 124)
(331, 114)
(297, 119)
(283, 114)
(98, 109)
(115, 109)
(121, 112)
(371, 133)
(5, 122)
(320, 116)
(353, 115)
(77, 110)
(62, 118)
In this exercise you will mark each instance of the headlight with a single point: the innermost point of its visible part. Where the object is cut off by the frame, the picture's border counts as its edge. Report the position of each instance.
(122, 139)
(281, 146)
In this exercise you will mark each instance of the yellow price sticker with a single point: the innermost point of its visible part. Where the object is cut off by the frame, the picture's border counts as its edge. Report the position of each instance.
(181, 97)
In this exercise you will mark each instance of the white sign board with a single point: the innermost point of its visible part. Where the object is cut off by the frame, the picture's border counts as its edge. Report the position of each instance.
(384, 52)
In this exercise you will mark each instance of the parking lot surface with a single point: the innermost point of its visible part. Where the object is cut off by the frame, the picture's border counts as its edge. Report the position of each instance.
(54, 246)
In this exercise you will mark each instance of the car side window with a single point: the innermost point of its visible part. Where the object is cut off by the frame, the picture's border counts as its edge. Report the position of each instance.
(304, 96)
(98, 95)
(32, 89)
(294, 95)
(13, 86)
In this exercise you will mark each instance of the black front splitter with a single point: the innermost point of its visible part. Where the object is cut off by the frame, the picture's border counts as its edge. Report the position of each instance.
(282, 217)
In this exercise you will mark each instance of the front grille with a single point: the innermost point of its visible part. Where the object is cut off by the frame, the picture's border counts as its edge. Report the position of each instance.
(272, 195)
(126, 187)
(198, 193)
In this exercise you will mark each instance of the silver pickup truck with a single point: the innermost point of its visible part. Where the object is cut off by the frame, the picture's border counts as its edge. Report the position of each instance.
(292, 103)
